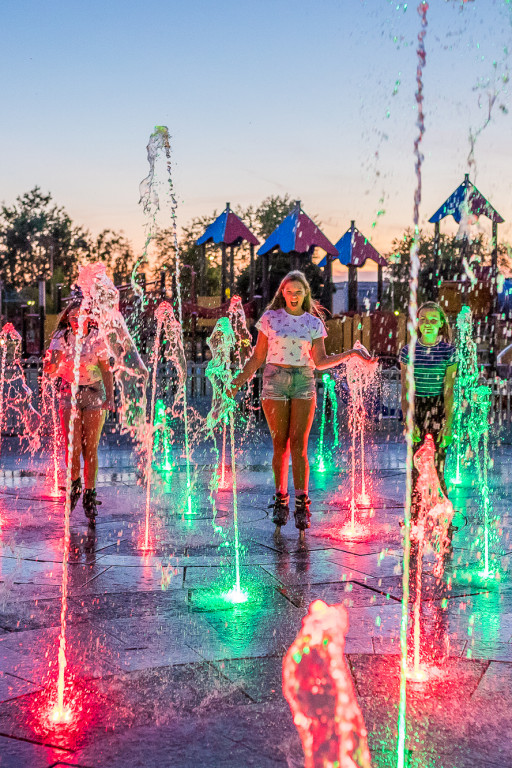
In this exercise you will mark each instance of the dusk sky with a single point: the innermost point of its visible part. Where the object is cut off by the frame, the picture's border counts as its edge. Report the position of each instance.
(315, 99)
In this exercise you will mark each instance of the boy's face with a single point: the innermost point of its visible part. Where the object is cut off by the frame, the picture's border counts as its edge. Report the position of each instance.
(429, 324)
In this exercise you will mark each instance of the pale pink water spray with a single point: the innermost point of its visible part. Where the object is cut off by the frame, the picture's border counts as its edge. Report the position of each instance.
(360, 376)
(166, 322)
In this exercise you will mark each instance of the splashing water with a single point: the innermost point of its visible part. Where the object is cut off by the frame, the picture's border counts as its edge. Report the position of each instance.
(159, 141)
(221, 343)
(241, 352)
(15, 395)
(479, 436)
(49, 413)
(433, 515)
(175, 354)
(101, 303)
(130, 373)
(329, 396)
(150, 201)
(161, 441)
(318, 686)
(360, 376)
(62, 713)
(411, 326)
(465, 385)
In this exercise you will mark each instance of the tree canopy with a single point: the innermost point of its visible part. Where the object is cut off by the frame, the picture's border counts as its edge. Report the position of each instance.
(38, 239)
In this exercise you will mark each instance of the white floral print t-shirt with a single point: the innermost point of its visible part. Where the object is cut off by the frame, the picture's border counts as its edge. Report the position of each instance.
(290, 337)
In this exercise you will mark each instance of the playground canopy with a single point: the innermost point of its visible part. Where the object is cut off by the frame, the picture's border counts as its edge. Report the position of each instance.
(298, 234)
(353, 251)
(466, 199)
(227, 229)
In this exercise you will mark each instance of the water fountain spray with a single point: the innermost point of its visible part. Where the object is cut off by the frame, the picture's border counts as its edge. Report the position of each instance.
(161, 441)
(15, 395)
(479, 436)
(49, 413)
(329, 396)
(360, 376)
(101, 304)
(318, 686)
(62, 712)
(433, 514)
(222, 343)
(465, 385)
(175, 354)
(160, 141)
(411, 325)
(241, 352)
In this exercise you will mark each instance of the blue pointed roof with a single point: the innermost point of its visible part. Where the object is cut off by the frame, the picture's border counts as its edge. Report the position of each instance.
(466, 195)
(354, 249)
(297, 232)
(227, 228)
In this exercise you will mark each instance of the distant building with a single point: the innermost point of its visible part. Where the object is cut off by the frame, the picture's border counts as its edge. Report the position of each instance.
(366, 294)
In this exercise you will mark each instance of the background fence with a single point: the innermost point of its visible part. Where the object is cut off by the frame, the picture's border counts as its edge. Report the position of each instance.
(385, 395)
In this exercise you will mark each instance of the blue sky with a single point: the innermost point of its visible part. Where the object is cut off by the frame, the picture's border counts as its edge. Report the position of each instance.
(311, 98)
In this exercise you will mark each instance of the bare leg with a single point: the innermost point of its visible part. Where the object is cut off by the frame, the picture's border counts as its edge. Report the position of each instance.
(301, 420)
(277, 413)
(65, 417)
(92, 424)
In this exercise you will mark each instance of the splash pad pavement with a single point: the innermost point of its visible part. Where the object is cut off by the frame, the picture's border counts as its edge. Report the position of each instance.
(163, 672)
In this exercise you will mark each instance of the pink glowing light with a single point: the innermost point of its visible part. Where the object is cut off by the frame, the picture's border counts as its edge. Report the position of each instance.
(434, 513)
(360, 373)
(318, 686)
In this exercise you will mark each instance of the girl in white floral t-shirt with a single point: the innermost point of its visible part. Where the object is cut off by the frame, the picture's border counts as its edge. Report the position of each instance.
(291, 342)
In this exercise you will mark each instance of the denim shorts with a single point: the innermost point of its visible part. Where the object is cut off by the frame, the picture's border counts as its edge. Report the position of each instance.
(89, 397)
(288, 383)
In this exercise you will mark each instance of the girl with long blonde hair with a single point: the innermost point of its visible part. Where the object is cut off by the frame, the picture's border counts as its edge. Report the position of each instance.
(291, 343)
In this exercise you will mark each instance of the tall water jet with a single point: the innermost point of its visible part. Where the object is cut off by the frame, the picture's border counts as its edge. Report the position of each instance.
(329, 397)
(222, 343)
(411, 326)
(466, 383)
(167, 324)
(360, 376)
(479, 436)
(62, 713)
(433, 513)
(49, 415)
(15, 395)
(318, 686)
(159, 141)
(101, 304)
(161, 440)
(241, 351)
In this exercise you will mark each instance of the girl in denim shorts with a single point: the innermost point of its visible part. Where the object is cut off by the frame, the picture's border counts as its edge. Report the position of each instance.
(95, 396)
(291, 343)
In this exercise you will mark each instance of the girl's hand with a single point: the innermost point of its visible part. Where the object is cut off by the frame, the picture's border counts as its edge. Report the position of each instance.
(362, 353)
(109, 404)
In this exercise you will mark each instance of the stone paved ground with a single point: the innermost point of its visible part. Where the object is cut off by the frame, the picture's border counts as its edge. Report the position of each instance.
(166, 675)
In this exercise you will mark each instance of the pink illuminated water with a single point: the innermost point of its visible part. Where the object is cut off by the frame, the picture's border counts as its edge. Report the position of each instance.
(361, 375)
(15, 396)
(433, 515)
(318, 686)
